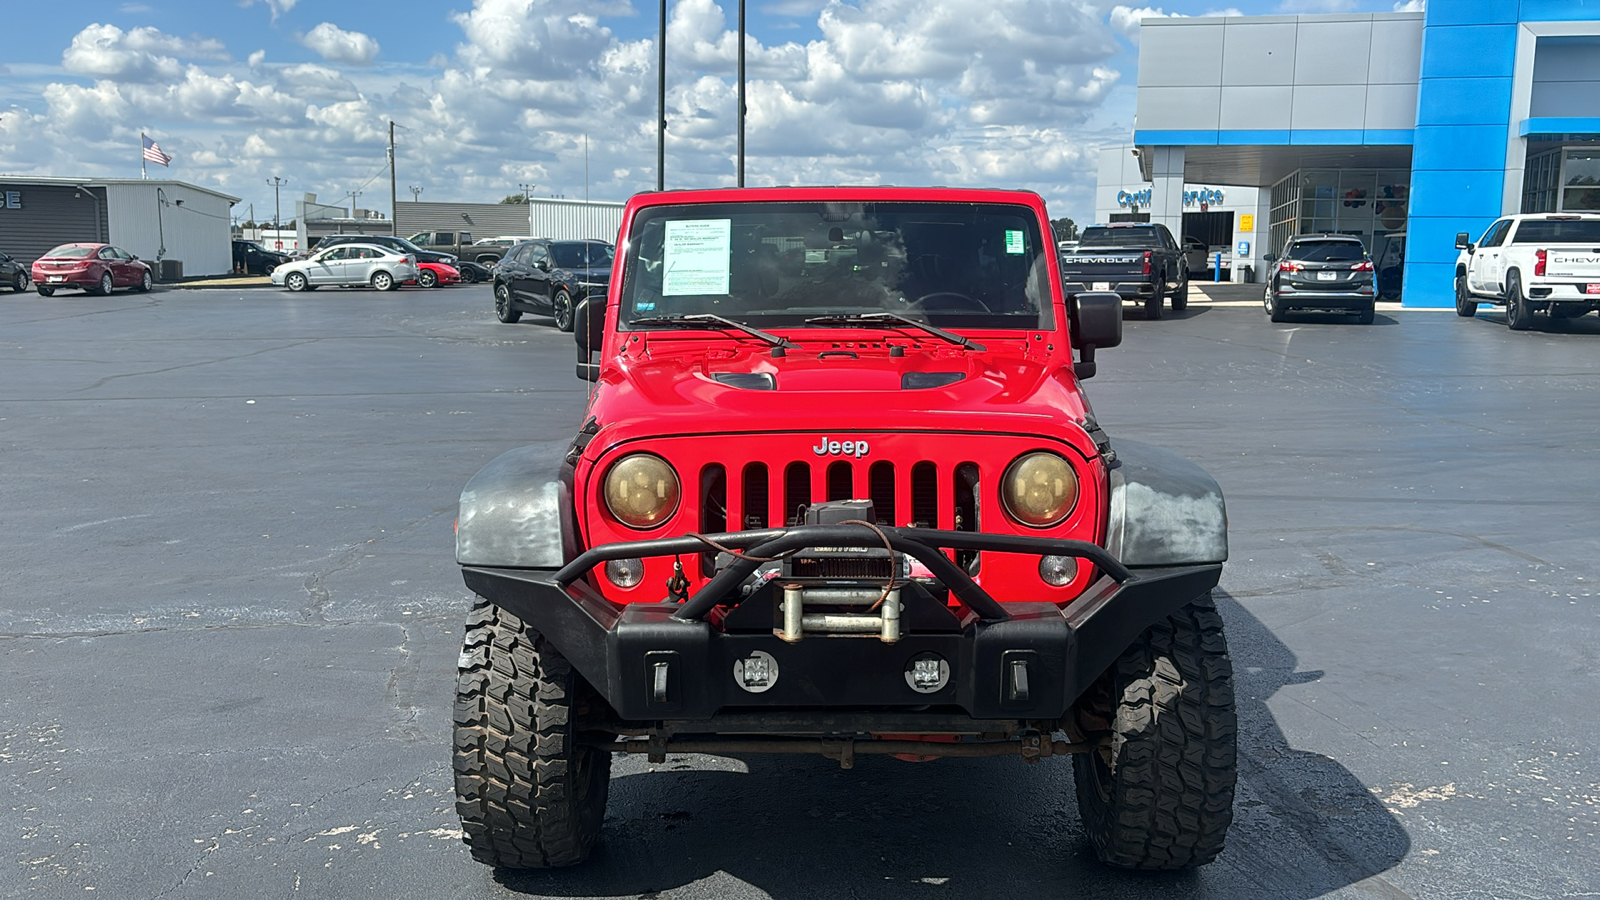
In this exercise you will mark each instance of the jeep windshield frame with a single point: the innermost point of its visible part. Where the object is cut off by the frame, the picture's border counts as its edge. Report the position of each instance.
(951, 264)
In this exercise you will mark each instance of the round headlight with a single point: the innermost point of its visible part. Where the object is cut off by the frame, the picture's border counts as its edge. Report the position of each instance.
(1039, 489)
(641, 490)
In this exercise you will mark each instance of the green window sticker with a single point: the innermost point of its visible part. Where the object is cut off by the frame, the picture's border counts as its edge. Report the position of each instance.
(696, 257)
(1014, 242)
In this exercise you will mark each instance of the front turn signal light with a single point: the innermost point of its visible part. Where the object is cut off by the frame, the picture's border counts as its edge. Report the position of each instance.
(641, 490)
(1039, 489)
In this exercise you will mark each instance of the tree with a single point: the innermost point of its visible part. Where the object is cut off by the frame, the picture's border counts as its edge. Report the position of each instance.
(513, 198)
(1065, 229)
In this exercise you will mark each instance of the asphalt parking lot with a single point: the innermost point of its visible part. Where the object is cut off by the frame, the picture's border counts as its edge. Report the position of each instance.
(230, 617)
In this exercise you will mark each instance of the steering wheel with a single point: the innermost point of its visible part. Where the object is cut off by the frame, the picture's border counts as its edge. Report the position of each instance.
(950, 300)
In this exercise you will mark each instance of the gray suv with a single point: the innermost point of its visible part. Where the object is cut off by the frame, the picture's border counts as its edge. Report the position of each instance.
(1325, 272)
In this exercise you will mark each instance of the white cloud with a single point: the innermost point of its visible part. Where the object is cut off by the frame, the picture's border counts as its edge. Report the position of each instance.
(143, 54)
(1411, 6)
(278, 7)
(1317, 6)
(335, 44)
(1125, 19)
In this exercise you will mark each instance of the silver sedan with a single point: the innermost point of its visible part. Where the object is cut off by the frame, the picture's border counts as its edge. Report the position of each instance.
(348, 264)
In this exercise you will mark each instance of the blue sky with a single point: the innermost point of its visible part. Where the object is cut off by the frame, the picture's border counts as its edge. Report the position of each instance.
(493, 93)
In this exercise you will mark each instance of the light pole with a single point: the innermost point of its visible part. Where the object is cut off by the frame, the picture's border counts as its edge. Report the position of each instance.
(526, 190)
(741, 93)
(416, 194)
(277, 212)
(161, 231)
(661, 102)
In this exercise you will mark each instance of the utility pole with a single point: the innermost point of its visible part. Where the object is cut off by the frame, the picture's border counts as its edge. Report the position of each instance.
(394, 210)
(277, 212)
(661, 102)
(741, 93)
(352, 195)
(416, 194)
(586, 167)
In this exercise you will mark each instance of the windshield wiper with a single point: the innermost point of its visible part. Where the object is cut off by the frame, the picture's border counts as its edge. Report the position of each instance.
(699, 320)
(885, 318)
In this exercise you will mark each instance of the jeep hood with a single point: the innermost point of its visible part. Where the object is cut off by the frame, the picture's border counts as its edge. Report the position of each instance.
(840, 386)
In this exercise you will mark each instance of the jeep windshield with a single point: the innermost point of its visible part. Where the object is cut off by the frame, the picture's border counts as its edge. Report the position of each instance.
(953, 265)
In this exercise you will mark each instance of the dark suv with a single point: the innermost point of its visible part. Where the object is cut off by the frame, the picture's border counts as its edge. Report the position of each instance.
(253, 259)
(1321, 272)
(550, 278)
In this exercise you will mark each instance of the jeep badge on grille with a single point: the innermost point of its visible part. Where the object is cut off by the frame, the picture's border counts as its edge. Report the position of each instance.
(826, 447)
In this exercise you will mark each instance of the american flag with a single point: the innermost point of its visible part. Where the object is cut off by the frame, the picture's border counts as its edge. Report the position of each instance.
(152, 151)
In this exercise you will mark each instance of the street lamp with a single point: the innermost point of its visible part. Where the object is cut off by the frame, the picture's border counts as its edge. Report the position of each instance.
(526, 190)
(416, 194)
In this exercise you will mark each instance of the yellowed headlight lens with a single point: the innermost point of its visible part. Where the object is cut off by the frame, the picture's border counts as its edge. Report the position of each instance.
(1040, 489)
(642, 490)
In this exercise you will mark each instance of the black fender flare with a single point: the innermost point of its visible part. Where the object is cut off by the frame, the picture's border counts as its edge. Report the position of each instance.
(1164, 510)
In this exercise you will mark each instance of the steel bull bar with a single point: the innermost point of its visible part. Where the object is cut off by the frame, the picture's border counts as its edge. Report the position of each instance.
(1016, 660)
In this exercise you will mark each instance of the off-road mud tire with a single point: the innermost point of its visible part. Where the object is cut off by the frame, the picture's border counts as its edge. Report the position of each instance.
(1160, 794)
(530, 796)
(1519, 314)
(1466, 307)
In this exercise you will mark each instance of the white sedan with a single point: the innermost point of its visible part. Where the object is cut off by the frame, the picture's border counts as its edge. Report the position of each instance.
(348, 264)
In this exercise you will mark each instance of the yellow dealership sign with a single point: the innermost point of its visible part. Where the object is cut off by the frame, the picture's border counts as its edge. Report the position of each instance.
(1247, 222)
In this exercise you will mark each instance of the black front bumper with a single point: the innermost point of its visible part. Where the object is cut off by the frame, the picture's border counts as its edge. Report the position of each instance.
(1058, 652)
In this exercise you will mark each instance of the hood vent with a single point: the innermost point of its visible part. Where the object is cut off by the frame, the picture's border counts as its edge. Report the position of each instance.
(748, 381)
(917, 381)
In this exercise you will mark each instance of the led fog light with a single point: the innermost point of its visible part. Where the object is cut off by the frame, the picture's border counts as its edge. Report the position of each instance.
(756, 673)
(927, 673)
(625, 573)
(1058, 571)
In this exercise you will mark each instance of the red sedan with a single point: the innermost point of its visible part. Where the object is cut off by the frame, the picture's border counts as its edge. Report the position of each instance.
(96, 268)
(433, 274)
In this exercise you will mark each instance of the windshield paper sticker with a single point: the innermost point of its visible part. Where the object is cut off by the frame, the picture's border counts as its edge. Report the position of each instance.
(697, 257)
(1014, 242)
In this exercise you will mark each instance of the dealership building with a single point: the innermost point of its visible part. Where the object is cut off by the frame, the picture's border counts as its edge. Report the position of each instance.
(184, 226)
(1401, 128)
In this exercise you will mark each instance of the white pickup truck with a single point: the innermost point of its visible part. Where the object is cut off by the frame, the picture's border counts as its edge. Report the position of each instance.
(1545, 262)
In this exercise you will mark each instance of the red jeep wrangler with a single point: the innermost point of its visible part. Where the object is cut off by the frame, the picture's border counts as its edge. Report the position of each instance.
(839, 491)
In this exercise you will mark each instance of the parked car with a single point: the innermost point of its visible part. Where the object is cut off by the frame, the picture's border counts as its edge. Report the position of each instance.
(1138, 261)
(1330, 272)
(433, 274)
(94, 268)
(1546, 263)
(550, 278)
(470, 272)
(252, 258)
(347, 264)
(476, 258)
(13, 273)
(1200, 259)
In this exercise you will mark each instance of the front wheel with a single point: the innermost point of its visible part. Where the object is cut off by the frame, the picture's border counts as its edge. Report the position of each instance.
(502, 305)
(1158, 794)
(427, 278)
(531, 794)
(1466, 307)
(383, 281)
(295, 281)
(1519, 315)
(145, 282)
(468, 275)
(561, 308)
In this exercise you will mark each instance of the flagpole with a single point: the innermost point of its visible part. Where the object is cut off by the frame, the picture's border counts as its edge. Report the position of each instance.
(142, 172)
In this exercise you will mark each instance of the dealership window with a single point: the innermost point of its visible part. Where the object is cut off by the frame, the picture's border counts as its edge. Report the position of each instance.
(1371, 204)
(1580, 181)
(1540, 180)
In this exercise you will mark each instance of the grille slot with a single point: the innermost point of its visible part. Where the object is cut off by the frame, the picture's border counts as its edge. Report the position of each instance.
(755, 503)
(925, 495)
(841, 481)
(713, 510)
(796, 492)
(880, 487)
(966, 497)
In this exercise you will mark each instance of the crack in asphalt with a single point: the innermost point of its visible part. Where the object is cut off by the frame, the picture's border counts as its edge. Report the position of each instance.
(208, 362)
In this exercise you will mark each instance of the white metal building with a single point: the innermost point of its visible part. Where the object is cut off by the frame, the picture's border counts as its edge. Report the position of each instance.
(152, 219)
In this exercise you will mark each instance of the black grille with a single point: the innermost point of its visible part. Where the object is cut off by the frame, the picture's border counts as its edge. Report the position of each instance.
(933, 496)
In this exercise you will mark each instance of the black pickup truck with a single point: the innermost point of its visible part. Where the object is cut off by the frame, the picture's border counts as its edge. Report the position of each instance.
(1139, 261)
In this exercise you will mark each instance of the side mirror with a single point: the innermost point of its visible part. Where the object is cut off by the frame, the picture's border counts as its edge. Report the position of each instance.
(1095, 319)
(1464, 242)
(542, 265)
(588, 332)
(1270, 257)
